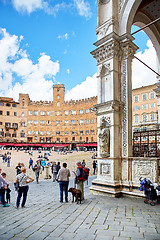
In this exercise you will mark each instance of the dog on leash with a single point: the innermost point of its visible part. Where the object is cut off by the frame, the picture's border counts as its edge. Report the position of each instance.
(76, 193)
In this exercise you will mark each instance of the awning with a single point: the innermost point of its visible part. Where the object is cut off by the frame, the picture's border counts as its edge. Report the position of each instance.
(87, 145)
(34, 145)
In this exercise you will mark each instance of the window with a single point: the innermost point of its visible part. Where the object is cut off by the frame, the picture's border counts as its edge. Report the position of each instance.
(35, 132)
(58, 122)
(1, 112)
(136, 119)
(80, 138)
(80, 132)
(0, 123)
(66, 112)
(14, 105)
(81, 111)
(73, 138)
(144, 118)
(41, 122)
(42, 113)
(58, 90)
(58, 140)
(1, 104)
(58, 133)
(48, 132)
(58, 97)
(48, 122)
(87, 121)
(35, 122)
(152, 105)
(48, 113)
(35, 113)
(86, 139)
(73, 112)
(14, 135)
(42, 132)
(87, 110)
(35, 138)
(81, 121)
(152, 95)
(66, 139)
(22, 134)
(144, 106)
(66, 121)
(8, 113)
(58, 113)
(22, 114)
(73, 121)
(152, 116)
(15, 114)
(66, 132)
(8, 104)
(58, 104)
(73, 132)
(135, 108)
(136, 98)
(87, 131)
(92, 120)
(30, 113)
(144, 96)
(29, 121)
(29, 132)
(23, 100)
(92, 131)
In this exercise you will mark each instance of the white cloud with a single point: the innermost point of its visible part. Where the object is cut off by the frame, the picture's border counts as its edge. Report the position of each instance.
(68, 71)
(83, 90)
(65, 36)
(141, 75)
(83, 8)
(34, 79)
(28, 6)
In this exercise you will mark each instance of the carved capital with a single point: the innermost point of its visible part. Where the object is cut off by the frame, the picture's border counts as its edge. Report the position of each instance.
(103, 1)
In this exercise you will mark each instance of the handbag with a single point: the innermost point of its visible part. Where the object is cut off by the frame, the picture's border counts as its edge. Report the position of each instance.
(16, 185)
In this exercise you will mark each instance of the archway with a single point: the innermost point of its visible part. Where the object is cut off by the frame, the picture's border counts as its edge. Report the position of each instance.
(118, 171)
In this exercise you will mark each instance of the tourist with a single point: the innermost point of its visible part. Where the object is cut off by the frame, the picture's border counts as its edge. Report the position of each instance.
(43, 164)
(94, 167)
(63, 178)
(58, 167)
(3, 186)
(36, 169)
(18, 167)
(30, 162)
(54, 171)
(23, 179)
(79, 180)
(83, 163)
(8, 161)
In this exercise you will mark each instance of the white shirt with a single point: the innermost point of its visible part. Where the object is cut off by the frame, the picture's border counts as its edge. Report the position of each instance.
(3, 182)
(22, 179)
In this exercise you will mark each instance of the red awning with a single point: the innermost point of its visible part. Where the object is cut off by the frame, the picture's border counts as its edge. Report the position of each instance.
(34, 145)
(87, 145)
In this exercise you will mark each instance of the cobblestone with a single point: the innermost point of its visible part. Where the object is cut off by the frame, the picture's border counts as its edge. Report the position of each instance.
(97, 218)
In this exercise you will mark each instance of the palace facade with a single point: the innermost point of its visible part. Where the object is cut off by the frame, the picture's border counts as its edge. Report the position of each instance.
(69, 123)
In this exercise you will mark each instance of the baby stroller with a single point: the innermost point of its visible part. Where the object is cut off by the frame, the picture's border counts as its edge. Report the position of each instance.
(150, 193)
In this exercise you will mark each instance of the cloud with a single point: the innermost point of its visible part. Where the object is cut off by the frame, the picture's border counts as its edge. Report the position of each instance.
(83, 90)
(68, 71)
(18, 74)
(141, 75)
(83, 8)
(29, 6)
(65, 36)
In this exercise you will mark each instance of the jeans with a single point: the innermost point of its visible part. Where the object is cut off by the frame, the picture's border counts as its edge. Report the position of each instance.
(37, 176)
(22, 190)
(63, 186)
(2, 194)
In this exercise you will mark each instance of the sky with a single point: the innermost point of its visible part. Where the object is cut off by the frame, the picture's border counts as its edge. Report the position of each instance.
(46, 42)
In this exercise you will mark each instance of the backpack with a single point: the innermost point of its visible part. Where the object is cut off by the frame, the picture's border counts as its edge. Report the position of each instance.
(85, 173)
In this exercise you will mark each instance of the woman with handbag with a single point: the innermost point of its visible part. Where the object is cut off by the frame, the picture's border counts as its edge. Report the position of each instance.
(23, 179)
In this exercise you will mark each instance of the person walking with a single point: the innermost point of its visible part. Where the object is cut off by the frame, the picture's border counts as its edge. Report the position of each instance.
(23, 179)
(63, 178)
(58, 167)
(31, 163)
(54, 171)
(37, 168)
(79, 179)
(18, 168)
(94, 167)
(3, 186)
